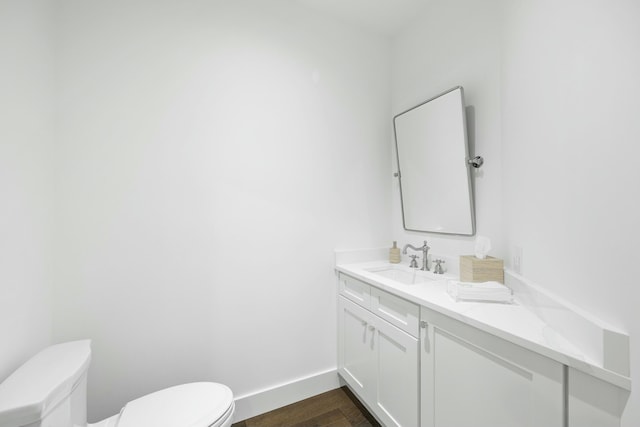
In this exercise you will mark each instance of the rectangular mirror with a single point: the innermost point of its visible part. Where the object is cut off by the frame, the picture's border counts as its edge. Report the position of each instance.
(433, 169)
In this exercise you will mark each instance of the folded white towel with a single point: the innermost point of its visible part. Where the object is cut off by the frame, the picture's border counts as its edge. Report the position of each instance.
(484, 291)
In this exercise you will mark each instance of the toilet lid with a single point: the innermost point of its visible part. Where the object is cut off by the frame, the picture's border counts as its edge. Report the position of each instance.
(187, 405)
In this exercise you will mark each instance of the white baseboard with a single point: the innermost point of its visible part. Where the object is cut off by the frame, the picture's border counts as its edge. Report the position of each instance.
(266, 400)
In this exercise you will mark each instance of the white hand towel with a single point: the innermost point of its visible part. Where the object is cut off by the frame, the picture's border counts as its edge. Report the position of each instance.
(484, 291)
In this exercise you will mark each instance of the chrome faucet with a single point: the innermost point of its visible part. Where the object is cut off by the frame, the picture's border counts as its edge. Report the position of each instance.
(425, 250)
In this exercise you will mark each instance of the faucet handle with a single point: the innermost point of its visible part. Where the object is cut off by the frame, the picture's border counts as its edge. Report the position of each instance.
(438, 268)
(414, 263)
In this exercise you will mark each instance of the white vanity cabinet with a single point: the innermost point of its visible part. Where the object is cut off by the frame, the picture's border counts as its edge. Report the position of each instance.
(378, 355)
(470, 378)
(417, 358)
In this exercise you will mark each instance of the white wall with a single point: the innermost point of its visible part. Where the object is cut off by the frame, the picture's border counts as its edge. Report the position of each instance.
(26, 136)
(570, 133)
(456, 43)
(211, 156)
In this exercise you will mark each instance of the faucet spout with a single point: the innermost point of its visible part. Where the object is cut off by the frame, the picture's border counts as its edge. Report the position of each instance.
(408, 246)
(425, 250)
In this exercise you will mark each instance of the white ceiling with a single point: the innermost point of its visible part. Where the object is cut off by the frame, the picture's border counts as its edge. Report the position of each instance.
(383, 16)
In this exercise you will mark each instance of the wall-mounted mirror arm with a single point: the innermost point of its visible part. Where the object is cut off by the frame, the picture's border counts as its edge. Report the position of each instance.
(476, 162)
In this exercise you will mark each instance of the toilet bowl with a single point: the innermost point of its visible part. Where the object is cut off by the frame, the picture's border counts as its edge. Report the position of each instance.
(49, 390)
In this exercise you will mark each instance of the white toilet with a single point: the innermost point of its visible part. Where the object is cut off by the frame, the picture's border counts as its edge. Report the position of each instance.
(50, 390)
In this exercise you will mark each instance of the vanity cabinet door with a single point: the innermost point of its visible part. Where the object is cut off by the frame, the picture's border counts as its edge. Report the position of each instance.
(380, 363)
(397, 373)
(355, 361)
(470, 378)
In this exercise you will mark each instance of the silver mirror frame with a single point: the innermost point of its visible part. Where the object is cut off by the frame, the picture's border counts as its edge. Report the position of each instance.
(475, 162)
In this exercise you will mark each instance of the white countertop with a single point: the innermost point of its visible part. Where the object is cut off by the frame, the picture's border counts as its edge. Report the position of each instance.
(515, 322)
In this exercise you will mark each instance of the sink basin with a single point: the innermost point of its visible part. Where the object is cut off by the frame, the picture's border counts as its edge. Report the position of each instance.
(406, 276)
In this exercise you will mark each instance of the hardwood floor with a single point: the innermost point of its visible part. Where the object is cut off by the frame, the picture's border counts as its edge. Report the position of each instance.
(335, 408)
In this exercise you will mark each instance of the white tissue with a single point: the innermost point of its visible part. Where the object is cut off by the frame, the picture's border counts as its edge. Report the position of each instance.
(483, 246)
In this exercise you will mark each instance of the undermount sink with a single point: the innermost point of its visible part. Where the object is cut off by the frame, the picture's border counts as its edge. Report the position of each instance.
(403, 275)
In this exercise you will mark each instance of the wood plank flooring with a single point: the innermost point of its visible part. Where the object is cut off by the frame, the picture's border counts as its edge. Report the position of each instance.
(335, 408)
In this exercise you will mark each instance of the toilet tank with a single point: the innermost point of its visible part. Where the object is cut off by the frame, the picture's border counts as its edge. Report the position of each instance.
(49, 390)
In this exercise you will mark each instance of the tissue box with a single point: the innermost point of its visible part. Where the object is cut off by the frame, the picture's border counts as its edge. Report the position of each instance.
(473, 269)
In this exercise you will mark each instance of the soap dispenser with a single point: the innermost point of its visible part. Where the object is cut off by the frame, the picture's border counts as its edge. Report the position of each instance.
(394, 254)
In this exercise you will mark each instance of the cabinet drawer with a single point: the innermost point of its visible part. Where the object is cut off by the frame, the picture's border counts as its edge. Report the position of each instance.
(357, 291)
(395, 310)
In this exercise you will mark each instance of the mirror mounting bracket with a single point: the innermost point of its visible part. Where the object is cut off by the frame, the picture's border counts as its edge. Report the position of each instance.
(476, 162)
